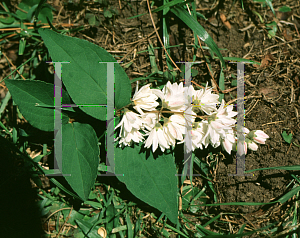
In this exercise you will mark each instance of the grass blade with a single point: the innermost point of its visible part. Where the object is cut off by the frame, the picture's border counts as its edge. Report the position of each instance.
(198, 29)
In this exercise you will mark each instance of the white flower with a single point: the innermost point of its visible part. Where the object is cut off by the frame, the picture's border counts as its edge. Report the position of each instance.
(197, 135)
(245, 130)
(157, 137)
(218, 125)
(149, 120)
(228, 141)
(145, 99)
(130, 120)
(174, 128)
(242, 149)
(223, 116)
(204, 100)
(212, 134)
(172, 96)
(260, 137)
(127, 137)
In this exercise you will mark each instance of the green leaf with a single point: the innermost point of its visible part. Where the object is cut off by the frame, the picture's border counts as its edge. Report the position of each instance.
(269, 3)
(107, 13)
(111, 212)
(260, 17)
(284, 9)
(7, 20)
(286, 137)
(92, 20)
(289, 195)
(22, 45)
(26, 6)
(80, 157)
(273, 29)
(221, 85)
(151, 180)
(39, 8)
(195, 72)
(75, 215)
(84, 77)
(31, 12)
(154, 68)
(27, 94)
(198, 29)
(86, 228)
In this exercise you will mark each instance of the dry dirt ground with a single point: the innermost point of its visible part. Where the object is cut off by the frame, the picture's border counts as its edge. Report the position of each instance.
(272, 90)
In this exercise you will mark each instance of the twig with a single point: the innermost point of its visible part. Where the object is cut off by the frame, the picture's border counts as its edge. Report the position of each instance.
(3, 7)
(64, 222)
(145, 38)
(31, 27)
(281, 44)
(255, 227)
(159, 36)
(21, 9)
(212, 77)
(11, 35)
(65, 208)
(252, 107)
(13, 65)
(235, 99)
(113, 35)
(222, 91)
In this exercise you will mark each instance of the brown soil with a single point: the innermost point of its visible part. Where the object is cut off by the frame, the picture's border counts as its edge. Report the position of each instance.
(272, 101)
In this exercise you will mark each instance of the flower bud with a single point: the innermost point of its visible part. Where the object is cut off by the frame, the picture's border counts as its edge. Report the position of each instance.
(260, 137)
(252, 146)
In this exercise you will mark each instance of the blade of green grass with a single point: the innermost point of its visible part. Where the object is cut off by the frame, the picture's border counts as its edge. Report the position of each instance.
(221, 85)
(166, 39)
(293, 167)
(269, 3)
(154, 68)
(288, 195)
(183, 14)
(167, 5)
(194, 13)
(235, 59)
(176, 230)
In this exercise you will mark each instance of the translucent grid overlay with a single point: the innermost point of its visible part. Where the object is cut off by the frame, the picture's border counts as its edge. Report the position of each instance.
(58, 121)
(110, 125)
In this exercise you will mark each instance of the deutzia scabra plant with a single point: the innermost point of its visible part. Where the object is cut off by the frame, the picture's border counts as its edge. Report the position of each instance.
(158, 118)
(153, 120)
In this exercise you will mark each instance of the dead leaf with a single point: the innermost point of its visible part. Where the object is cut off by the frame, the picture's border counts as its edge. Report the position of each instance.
(269, 92)
(283, 15)
(286, 35)
(247, 45)
(102, 232)
(297, 80)
(225, 22)
(267, 60)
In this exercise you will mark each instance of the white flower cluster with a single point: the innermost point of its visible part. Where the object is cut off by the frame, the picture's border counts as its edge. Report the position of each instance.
(165, 124)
